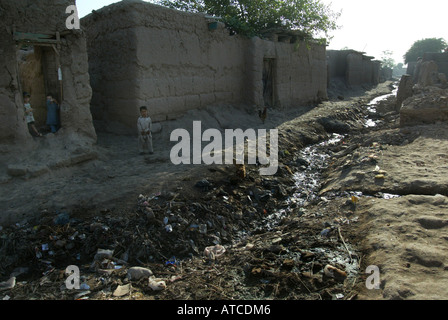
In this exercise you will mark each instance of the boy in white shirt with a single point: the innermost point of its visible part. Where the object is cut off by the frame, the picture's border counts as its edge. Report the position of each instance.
(144, 126)
(29, 117)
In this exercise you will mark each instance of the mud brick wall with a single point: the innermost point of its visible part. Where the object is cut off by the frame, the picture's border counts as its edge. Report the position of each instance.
(145, 54)
(299, 75)
(441, 59)
(184, 65)
(48, 17)
(352, 66)
(337, 63)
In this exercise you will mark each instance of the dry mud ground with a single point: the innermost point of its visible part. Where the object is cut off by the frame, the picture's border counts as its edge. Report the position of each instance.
(380, 199)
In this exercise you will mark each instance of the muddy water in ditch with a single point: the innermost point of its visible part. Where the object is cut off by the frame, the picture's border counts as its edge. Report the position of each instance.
(371, 106)
(314, 160)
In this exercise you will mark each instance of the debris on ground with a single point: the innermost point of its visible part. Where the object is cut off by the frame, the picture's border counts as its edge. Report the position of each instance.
(286, 236)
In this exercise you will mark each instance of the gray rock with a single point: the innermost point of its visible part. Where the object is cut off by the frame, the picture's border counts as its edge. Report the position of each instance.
(103, 254)
(17, 170)
(137, 273)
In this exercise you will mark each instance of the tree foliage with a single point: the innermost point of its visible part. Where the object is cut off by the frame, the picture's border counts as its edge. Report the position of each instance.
(422, 46)
(252, 17)
(386, 59)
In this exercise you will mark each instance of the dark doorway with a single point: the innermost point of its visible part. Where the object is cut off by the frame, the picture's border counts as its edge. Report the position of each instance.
(268, 82)
(38, 74)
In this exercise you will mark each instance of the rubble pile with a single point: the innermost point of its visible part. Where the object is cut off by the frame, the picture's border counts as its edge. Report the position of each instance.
(426, 100)
(427, 105)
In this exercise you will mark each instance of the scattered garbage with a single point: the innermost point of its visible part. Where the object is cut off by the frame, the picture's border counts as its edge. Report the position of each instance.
(339, 296)
(333, 272)
(122, 290)
(252, 218)
(9, 284)
(214, 252)
(172, 262)
(84, 286)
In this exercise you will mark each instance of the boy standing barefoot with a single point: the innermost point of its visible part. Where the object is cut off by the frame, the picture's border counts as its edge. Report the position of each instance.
(144, 126)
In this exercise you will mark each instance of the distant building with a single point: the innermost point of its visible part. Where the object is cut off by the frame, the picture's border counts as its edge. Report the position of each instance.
(353, 67)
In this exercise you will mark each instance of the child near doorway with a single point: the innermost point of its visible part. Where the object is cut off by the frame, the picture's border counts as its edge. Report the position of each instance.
(144, 126)
(52, 113)
(29, 114)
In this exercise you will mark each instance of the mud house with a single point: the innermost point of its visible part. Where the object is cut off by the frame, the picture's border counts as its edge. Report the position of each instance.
(173, 61)
(439, 60)
(40, 55)
(353, 68)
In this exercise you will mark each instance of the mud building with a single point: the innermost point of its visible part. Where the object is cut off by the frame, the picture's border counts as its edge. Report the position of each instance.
(173, 61)
(40, 55)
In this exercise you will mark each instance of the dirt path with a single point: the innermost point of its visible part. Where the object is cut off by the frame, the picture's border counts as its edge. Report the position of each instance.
(405, 225)
(60, 180)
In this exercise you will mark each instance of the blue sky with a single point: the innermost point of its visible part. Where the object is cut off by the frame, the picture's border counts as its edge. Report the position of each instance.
(368, 26)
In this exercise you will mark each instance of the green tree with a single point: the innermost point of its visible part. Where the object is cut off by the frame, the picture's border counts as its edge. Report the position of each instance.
(252, 17)
(386, 59)
(422, 46)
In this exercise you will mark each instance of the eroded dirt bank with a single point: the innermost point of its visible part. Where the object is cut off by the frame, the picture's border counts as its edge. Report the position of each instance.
(283, 235)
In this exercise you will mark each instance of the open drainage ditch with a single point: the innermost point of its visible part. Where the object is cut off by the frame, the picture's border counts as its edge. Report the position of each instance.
(314, 160)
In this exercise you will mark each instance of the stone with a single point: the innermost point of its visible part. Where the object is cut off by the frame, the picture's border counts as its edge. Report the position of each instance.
(404, 90)
(137, 273)
(103, 254)
(37, 171)
(334, 126)
(17, 170)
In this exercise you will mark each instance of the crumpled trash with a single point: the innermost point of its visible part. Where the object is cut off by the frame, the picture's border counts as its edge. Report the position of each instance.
(9, 284)
(122, 290)
(335, 273)
(84, 286)
(214, 252)
(172, 262)
(156, 284)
